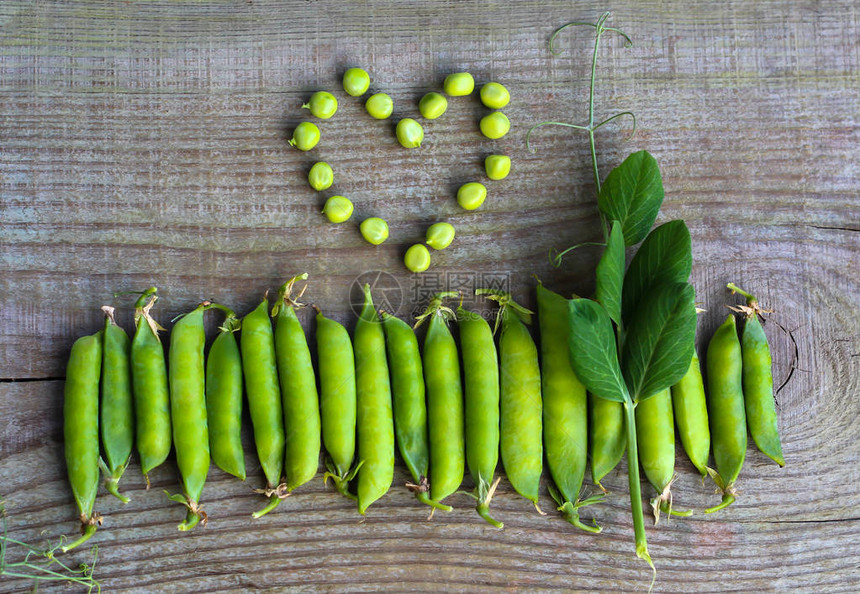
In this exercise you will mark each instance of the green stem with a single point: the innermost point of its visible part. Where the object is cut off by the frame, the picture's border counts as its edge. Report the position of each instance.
(425, 499)
(190, 521)
(570, 513)
(751, 300)
(727, 501)
(274, 501)
(671, 511)
(483, 510)
(89, 530)
(635, 486)
(112, 486)
(144, 295)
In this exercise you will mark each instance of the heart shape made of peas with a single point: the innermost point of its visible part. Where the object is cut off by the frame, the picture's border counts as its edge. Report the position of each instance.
(410, 134)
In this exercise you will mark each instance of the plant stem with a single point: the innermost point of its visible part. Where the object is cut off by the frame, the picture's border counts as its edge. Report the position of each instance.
(635, 486)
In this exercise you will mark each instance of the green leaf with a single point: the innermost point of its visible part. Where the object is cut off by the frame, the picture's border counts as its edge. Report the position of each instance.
(593, 354)
(632, 194)
(659, 339)
(664, 257)
(610, 273)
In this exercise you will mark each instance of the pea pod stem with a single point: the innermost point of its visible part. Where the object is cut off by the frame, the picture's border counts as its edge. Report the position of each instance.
(111, 481)
(484, 495)
(88, 528)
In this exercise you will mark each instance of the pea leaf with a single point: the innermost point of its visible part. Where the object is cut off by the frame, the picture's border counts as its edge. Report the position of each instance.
(659, 339)
(665, 256)
(593, 355)
(632, 194)
(610, 273)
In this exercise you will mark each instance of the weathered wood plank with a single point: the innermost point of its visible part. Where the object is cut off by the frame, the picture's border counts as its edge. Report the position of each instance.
(145, 143)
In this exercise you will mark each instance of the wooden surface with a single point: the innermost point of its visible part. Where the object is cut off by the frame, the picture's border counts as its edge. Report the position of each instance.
(145, 143)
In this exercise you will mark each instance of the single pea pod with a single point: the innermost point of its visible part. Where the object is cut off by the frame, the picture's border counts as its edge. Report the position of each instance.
(565, 410)
(374, 412)
(481, 391)
(655, 436)
(445, 413)
(149, 382)
(691, 416)
(188, 409)
(259, 365)
(607, 436)
(726, 409)
(224, 398)
(116, 421)
(758, 381)
(81, 430)
(520, 399)
(299, 397)
(337, 400)
(410, 409)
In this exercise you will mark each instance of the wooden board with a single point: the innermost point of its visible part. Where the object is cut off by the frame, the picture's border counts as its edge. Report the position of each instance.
(145, 143)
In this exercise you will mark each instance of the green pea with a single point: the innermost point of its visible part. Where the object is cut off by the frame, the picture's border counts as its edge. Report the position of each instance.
(410, 134)
(375, 417)
(471, 195)
(356, 82)
(117, 407)
(459, 84)
(726, 408)
(188, 408)
(321, 176)
(322, 105)
(432, 105)
(495, 125)
(149, 381)
(417, 258)
(440, 235)
(494, 95)
(691, 416)
(520, 400)
(81, 430)
(374, 230)
(758, 381)
(607, 438)
(410, 409)
(305, 137)
(379, 106)
(338, 209)
(264, 399)
(565, 409)
(445, 413)
(337, 400)
(298, 391)
(224, 398)
(655, 436)
(497, 166)
(481, 389)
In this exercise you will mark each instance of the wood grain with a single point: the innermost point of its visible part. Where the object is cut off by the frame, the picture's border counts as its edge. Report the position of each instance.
(145, 143)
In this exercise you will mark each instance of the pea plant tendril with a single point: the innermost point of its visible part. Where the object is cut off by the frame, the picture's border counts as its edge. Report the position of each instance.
(590, 127)
(41, 565)
(634, 338)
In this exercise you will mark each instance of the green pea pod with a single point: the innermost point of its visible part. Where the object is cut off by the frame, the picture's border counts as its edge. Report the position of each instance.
(481, 382)
(149, 381)
(758, 381)
(117, 405)
(298, 392)
(691, 416)
(259, 365)
(655, 436)
(337, 400)
(374, 412)
(607, 437)
(726, 409)
(224, 398)
(565, 409)
(520, 399)
(188, 409)
(445, 412)
(81, 430)
(410, 410)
